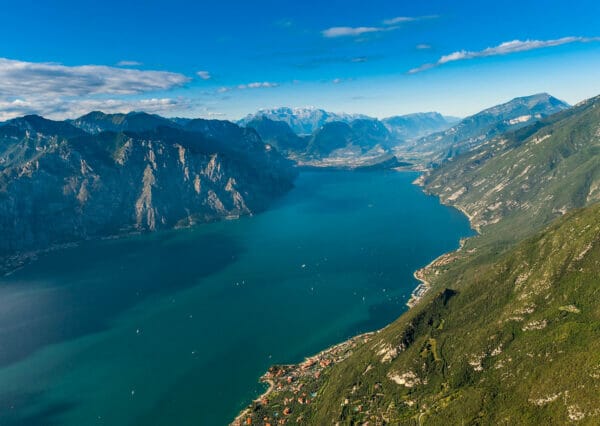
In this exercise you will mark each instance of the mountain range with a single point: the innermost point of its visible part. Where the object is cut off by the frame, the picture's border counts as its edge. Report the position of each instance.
(476, 129)
(74, 170)
(531, 175)
(317, 137)
(103, 175)
(306, 121)
(302, 121)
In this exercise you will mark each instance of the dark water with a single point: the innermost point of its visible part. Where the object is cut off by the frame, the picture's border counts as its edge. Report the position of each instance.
(175, 328)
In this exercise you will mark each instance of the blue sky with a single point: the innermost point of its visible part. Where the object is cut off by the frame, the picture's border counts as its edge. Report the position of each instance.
(226, 59)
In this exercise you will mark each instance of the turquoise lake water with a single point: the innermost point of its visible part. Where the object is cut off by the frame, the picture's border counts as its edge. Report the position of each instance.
(175, 328)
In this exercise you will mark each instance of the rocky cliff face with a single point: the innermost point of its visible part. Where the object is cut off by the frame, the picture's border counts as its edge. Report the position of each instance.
(59, 184)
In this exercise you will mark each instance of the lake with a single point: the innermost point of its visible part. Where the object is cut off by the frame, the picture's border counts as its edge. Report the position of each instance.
(175, 328)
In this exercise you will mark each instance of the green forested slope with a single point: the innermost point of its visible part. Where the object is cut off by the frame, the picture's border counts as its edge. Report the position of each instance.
(509, 341)
(529, 177)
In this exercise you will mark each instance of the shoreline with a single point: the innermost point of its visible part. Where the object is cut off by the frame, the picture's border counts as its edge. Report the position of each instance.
(292, 378)
(238, 421)
(12, 263)
(424, 286)
(416, 296)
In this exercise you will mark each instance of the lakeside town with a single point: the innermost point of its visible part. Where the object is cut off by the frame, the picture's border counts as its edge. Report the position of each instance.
(294, 387)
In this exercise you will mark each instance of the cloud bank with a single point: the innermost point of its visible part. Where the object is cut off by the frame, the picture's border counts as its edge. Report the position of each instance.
(505, 48)
(62, 109)
(18, 79)
(59, 91)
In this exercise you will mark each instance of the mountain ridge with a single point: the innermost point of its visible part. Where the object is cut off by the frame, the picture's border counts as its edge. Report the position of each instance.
(59, 184)
(476, 129)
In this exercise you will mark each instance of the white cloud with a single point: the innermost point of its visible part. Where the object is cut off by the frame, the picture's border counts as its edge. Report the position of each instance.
(60, 91)
(21, 79)
(423, 46)
(388, 25)
(204, 75)
(258, 85)
(336, 80)
(61, 109)
(350, 31)
(254, 85)
(405, 19)
(399, 20)
(502, 49)
(128, 64)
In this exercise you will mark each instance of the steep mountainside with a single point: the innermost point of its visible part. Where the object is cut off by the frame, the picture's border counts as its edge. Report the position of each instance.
(303, 121)
(59, 184)
(476, 129)
(412, 126)
(96, 122)
(530, 176)
(370, 133)
(330, 137)
(278, 134)
(508, 331)
(356, 138)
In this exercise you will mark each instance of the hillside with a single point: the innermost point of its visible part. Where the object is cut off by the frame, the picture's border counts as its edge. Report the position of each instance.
(529, 176)
(362, 142)
(277, 134)
(359, 136)
(97, 121)
(476, 129)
